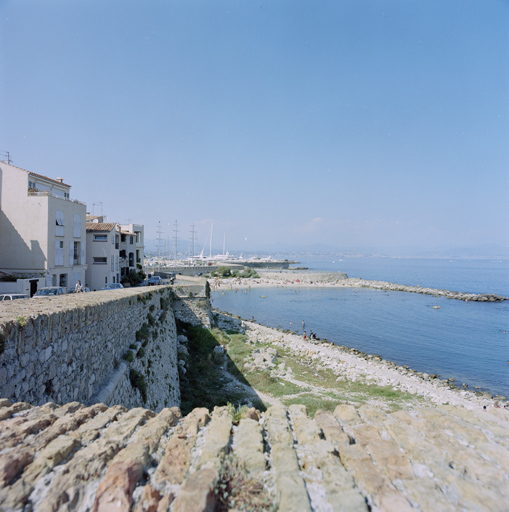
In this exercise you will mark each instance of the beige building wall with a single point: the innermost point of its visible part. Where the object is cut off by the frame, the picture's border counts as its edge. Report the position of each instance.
(98, 273)
(28, 228)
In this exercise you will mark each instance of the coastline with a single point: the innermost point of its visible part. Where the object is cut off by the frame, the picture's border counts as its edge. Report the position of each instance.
(354, 366)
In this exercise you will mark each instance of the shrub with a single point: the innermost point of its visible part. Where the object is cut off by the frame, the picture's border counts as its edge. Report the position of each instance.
(224, 272)
(128, 356)
(134, 278)
(143, 333)
(3, 342)
(141, 353)
(133, 346)
(151, 308)
(138, 382)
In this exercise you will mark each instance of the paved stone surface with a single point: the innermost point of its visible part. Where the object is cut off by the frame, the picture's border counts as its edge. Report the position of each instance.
(354, 459)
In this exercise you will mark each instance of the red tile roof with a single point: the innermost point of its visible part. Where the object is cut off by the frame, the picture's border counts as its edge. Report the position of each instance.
(100, 226)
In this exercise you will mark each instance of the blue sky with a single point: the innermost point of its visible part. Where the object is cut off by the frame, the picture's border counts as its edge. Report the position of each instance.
(350, 123)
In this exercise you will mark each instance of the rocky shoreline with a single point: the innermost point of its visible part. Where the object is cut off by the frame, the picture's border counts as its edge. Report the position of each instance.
(350, 364)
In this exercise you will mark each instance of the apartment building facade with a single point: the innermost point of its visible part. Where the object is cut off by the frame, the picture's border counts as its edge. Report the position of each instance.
(42, 231)
(103, 267)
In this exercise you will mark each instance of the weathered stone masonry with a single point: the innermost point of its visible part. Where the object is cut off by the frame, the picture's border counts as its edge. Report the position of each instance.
(74, 348)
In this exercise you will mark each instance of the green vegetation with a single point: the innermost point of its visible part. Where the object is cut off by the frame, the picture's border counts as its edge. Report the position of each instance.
(151, 319)
(134, 278)
(151, 308)
(3, 342)
(312, 402)
(140, 353)
(128, 356)
(143, 333)
(21, 321)
(138, 382)
(203, 383)
(164, 303)
(133, 346)
(224, 271)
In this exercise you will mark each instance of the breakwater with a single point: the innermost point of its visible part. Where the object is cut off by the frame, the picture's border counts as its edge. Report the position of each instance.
(448, 294)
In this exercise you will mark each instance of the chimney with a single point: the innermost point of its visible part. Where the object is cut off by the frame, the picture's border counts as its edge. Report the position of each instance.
(60, 180)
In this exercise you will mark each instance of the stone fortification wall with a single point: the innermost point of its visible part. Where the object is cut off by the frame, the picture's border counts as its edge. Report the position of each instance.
(115, 347)
(194, 306)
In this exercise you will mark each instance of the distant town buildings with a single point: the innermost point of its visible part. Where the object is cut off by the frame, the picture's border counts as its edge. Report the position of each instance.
(47, 238)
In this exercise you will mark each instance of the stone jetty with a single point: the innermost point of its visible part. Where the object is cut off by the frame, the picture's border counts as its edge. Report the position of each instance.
(100, 458)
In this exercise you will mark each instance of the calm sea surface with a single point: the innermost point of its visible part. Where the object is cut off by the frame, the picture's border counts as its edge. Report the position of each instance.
(468, 341)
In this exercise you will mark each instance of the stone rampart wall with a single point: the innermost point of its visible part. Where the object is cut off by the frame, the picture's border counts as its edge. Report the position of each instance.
(116, 347)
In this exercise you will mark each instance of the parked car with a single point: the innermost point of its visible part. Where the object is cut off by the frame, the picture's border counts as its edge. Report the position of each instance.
(113, 286)
(155, 280)
(49, 291)
(13, 296)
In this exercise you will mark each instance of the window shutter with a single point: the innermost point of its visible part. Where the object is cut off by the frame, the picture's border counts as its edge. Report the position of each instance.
(71, 253)
(77, 226)
(60, 223)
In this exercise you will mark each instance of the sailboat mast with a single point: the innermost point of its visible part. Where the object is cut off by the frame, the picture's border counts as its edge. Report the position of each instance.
(210, 250)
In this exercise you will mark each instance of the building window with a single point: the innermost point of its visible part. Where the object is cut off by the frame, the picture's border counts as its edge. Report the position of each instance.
(63, 280)
(131, 259)
(60, 223)
(100, 260)
(100, 238)
(66, 195)
(117, 239)
(122, 238)
(131, 239)
(77, 252)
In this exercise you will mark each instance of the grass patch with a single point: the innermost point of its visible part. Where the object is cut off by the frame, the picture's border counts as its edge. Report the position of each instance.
(265, 383)
(313, 403)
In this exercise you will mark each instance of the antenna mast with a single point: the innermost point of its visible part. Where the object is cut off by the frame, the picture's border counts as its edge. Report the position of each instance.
(159, 246)
(193, 238)
(7, 154)
(210, 250)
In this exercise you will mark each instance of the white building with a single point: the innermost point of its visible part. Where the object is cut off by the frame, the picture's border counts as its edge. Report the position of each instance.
(132, 247)
(113, 251)
(103, 239)
(42, 231)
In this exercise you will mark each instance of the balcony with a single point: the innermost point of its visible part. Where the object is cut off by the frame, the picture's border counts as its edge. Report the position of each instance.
(33, 192)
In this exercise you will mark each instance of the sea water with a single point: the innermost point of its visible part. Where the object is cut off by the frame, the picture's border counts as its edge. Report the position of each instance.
(467, 341)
